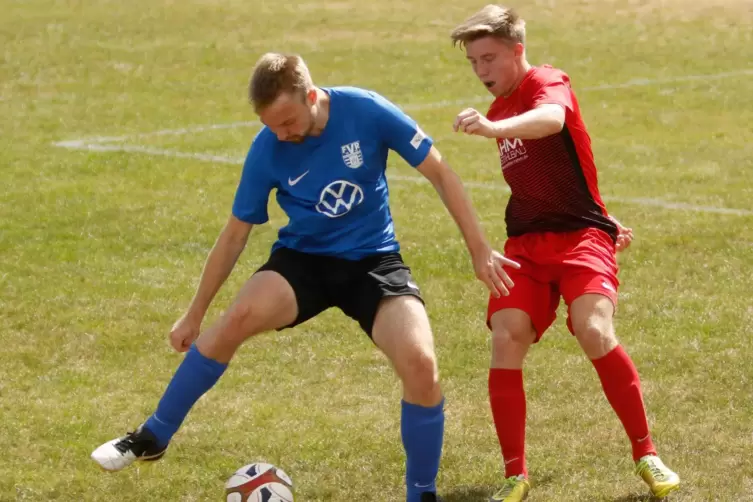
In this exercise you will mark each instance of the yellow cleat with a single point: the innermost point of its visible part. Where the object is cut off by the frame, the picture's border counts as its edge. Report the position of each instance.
(515, 489)
(657, 476)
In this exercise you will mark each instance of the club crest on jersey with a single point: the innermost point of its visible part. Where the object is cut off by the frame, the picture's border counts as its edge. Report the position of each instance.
(352, 155)
(338, 198)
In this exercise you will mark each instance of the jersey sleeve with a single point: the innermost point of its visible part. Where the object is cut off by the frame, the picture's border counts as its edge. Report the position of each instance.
(399, 131)
(554, 89)
(252, 194)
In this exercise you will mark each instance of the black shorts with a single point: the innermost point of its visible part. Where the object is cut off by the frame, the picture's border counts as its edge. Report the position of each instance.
(354, 286)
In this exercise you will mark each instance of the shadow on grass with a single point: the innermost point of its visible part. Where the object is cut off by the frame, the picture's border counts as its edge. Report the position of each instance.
(635, 497)
(483, 492)
(467, 494)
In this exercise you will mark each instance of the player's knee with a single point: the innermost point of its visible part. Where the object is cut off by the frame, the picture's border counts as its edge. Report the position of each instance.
(596, 336)
(512, 333)
(597, 325)
(592, 318)
(420, 373)
(241, 322)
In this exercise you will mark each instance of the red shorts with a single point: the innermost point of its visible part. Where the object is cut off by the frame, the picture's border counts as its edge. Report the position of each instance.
(553, 264)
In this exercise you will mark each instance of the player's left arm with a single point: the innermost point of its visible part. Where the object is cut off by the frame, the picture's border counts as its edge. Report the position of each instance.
(402, 134)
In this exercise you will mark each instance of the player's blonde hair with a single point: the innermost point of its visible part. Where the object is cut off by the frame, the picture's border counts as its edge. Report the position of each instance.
(491, 21)
(274, 74)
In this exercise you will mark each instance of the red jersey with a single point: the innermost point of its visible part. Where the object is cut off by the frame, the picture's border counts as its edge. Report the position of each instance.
(553, 179)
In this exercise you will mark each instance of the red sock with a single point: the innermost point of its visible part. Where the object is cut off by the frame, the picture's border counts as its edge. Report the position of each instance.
(622, 386)
(508, 401)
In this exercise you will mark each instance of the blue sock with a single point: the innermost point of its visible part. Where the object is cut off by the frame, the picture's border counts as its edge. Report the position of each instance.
(194, 377)
(422, 430)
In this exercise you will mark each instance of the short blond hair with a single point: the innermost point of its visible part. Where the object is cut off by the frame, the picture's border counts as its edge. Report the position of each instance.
(275, 74)
(491, 21)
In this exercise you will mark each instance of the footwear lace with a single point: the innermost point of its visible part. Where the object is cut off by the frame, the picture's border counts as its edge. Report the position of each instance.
(126, 443)
(507, 487)
(652, 467)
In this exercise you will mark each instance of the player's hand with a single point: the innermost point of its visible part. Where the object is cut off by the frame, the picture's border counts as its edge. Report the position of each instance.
(624, 235)
(470, 121)
(624, 238)
(489, 267)
(184, 332)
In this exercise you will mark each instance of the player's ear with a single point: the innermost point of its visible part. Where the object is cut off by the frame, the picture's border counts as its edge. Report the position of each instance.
(519, 50)
(311, 97)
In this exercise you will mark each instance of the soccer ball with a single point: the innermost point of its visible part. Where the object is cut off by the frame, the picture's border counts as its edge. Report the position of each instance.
(259, 483)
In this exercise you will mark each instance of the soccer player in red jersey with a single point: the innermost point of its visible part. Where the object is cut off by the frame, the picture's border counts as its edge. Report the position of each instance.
(561, 234)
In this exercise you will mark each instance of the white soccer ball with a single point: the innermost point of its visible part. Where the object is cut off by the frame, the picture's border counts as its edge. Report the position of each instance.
(259, 483)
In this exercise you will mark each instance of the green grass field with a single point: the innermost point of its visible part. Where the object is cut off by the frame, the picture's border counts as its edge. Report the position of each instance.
(100, 251)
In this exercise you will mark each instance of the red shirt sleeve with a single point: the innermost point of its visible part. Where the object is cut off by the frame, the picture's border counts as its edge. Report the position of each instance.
(554, 90)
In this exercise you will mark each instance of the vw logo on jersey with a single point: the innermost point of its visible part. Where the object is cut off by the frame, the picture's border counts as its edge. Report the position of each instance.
(338, 198)
(352, 155)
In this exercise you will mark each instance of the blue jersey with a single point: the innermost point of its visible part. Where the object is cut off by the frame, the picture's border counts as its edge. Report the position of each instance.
(333, 187)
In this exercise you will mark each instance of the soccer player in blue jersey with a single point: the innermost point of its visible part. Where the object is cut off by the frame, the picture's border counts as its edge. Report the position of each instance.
(325, 151)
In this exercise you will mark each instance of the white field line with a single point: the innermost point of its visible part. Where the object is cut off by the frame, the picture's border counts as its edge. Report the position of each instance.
(115, 143)
(225, 159)
(120, 147)
(639, 201)
(638, 82)
(163, 132)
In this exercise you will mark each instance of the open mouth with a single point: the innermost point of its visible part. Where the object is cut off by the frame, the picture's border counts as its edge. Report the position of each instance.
(489, 85)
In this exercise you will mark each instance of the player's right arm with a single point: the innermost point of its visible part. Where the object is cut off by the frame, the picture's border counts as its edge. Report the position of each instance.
(544, 120)
(549, 105)
(249, 209)
(217, 268)
(624, 235)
